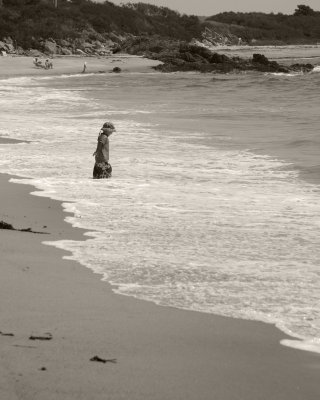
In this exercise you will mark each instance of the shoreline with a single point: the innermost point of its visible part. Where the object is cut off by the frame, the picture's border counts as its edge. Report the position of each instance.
(151, 352)
(158, 352)
(291, 340)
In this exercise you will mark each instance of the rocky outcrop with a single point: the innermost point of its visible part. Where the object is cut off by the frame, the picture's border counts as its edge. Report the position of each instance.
(7, 46)
(33, 53)
(88, 44)
(190, 57)
(65, 51)
(183, 56)
(262, 64)
(50, 47)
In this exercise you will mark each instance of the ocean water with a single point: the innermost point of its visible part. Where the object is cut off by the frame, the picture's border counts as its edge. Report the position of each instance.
(214, 201)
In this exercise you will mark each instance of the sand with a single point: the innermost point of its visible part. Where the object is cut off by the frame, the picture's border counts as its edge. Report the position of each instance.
(23, 66)
(152, 352)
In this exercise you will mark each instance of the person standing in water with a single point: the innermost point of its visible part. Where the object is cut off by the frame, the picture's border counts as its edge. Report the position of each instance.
(102, 169)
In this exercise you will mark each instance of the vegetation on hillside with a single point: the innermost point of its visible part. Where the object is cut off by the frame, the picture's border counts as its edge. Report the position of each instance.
(25, 21)
(300, 27)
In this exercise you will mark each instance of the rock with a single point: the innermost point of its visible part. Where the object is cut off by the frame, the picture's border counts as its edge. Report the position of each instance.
(116, 70)
(199, 51)
(218, 58)
(65, 51)
(104, 52)
(80, 52)
(88, 51)
(85, 46)
(262, 64)
(191, 57)
(302, 67)
(116, 49)
(181, 56)
(188, 57)
(9, 48)
(260, 59)
(2, 46)
(20, 51)
(168, 54)
(33, 53)
(50, 47)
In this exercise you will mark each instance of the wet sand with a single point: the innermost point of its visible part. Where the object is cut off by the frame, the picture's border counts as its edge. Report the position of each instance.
(152, 352)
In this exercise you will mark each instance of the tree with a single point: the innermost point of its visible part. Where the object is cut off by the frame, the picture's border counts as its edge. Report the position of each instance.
(303, 10)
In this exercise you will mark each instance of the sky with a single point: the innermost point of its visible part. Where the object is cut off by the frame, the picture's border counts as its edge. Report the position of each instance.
(211, 7)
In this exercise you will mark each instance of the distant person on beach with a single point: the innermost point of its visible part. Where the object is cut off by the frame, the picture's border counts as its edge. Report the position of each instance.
(102, 169)
(84, 67)
(48, 64)
(37, 62)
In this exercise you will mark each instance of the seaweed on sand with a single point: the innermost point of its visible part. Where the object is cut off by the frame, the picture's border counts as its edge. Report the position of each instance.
(5, 225)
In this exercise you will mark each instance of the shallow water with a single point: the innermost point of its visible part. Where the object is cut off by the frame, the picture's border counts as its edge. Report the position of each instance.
(283, 54)
(214, 201)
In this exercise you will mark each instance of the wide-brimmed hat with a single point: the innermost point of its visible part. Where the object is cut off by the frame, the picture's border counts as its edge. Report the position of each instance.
(108, 125)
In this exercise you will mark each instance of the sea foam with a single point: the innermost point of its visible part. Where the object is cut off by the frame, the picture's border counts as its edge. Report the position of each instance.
(192, 217)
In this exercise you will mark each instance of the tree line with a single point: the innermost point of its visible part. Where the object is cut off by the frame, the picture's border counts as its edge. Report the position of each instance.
(25, 21)
(302, 26)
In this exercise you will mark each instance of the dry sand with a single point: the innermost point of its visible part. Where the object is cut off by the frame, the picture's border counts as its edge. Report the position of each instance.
(23, 66)
(155, 353)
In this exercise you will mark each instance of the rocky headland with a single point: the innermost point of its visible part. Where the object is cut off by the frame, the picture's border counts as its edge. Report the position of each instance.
(175, 55)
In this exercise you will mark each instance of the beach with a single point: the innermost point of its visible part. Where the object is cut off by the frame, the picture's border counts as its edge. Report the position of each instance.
(24, 66)
(142, 350)
(157, 352)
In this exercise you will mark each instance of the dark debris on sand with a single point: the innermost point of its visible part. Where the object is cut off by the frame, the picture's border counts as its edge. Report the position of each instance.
(102, 360)
(6, 334)
(5, 225)
(46, 336)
